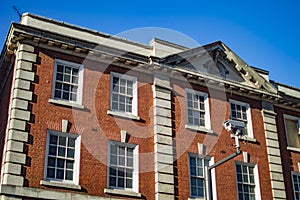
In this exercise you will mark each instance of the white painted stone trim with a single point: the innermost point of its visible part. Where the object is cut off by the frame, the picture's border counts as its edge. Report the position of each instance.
(122, 192)
(60, 184)
(199, 128)
(66, 103)
(123, 115)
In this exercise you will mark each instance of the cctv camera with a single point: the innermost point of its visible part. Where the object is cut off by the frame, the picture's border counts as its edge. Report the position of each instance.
(227, 125)
(235, 127)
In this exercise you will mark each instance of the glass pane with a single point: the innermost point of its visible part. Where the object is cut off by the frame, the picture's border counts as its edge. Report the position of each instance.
(71, 142)
(114, 105)
(194, 191)
(192, 161)
(59, 76)
(128, 183)
(60, 163)
(200, 182)
(122, 151)
(113, 159)
(112, 181)
(69, 164)
(122, 99)
(121, 173)
(75, 79)
(65, 95)
(67, 78)
(71, 153)
(115, 80)
(238, 168)
(129, 162)
(121, 182)
(122, 82)
(52, 150)
(122, 90)
(129, 83)
(200, 171)
(68, 70)
(112, 171)
(239, 178)
(51, 162)
(69, 175)
(50, 173)
(66, 87)
(122, 107)
(193, 171)
(190, 104)
(59, 174)
(193, 181)
(57, 94)
(122, 161)
(115, 97)
(113, 149)
(58, 86)
(62, 141)
(53, 139)
(129, 91)
(129, 173)
(62, 151)
(60, 68)
(73, 97)
(75, 71)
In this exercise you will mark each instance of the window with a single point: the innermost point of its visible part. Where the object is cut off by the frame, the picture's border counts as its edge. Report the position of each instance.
(246, 181)
(296, 184)
(62, 157)
(241, 116)
(197, 175)
(292, 132)
(123, 93)
(123, 166)
(67, 82)
(197, 109)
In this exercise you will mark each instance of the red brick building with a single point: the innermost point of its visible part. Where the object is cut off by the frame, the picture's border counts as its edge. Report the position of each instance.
(86, 115)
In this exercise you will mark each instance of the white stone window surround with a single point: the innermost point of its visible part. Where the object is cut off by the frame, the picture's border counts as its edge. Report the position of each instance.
(297, 119)
(249, 119)
(207, 127)
(72, 184)
(256, 178)
(296, 184)
(134, 191)
(56, 100)
(116, 112)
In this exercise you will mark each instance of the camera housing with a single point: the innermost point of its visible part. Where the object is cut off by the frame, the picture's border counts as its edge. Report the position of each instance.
(235, 127)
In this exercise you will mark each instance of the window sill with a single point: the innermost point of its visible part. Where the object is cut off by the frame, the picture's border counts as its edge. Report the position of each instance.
(198, 128)
(123, 115)
(60, 184)
(65, 103)
(122, 192)
(296, 149)
(245, 138)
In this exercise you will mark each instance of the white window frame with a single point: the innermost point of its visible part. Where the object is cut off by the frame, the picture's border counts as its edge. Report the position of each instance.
(298, 177)
(206, 191)
(290, 117)
(80, 82)
(135, 174)
(248, 113)
(134, 94)
(256, 178)
(77, 138)
(207, 126)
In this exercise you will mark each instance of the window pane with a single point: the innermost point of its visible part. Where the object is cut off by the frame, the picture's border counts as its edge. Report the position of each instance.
(121, 182)
(53, 139)
(57, 94)
(75, 71)
(60, 68)
(69, 175)
(60, 163)
(61, 151)
(71, 153)
(59, 174)
(50, 173)
(71, 142)
(59, 76)
(51, 162)
(52, 150)
(112, 181)
(112, 171)
(128, 183)
(69, 164)
(68, 70)
(67, 78)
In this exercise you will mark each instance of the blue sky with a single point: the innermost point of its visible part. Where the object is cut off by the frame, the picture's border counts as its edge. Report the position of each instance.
(264, 34)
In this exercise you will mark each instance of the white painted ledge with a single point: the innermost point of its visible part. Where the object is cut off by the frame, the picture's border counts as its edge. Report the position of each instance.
(123, 115)
(293, 149)
(122, 192)
(66, 103)
(198, 128)
(245, 138)
(60, 184)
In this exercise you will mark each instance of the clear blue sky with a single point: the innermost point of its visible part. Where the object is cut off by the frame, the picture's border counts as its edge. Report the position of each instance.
(265, 34)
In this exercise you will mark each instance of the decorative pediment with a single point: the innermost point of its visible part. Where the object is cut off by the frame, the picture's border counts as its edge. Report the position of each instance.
(217, 60)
